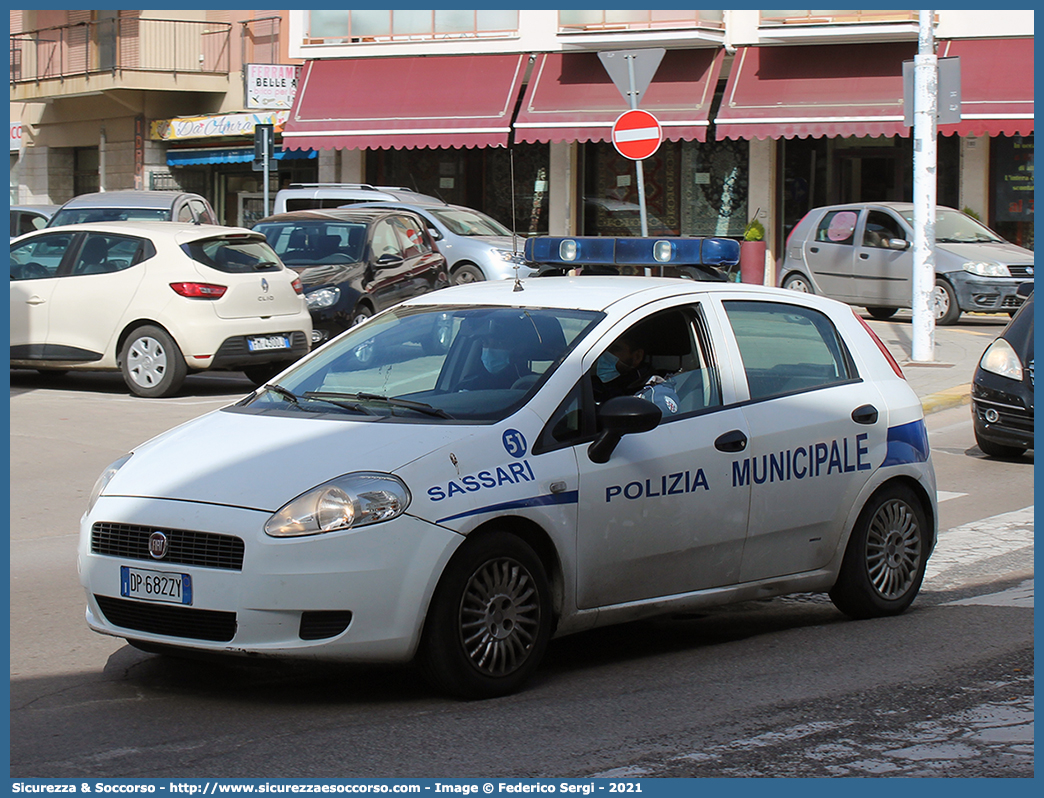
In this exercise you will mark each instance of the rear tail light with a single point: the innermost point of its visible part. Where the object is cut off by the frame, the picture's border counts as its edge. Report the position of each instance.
(297, 285)
(199, 290)
(880, 345)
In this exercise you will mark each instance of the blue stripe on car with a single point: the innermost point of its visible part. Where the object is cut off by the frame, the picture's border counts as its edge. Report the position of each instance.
(907, 443)
(569, 497)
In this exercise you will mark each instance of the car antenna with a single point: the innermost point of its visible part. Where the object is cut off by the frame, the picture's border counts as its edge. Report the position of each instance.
(514, 235)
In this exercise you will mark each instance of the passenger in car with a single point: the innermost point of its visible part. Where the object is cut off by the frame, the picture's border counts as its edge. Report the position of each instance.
(625, 370)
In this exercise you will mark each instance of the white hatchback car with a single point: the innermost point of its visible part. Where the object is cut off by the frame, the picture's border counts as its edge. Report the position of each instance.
(156, 301)
(389, 500)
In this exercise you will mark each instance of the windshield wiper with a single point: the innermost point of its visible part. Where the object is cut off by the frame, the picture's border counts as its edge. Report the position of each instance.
(407, 404)
(287, 394)
(331, 399)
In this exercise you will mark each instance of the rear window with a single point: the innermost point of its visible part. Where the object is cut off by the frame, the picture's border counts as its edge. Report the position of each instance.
(233, 255)
(94, 215)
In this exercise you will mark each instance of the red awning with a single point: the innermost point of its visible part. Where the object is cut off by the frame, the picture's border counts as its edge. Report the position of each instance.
(996, 86)
(420, 101)
(571, 97)
(815, 90)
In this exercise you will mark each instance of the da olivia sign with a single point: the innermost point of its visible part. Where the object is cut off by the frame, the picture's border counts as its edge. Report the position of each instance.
(201, 127)
(270, 85)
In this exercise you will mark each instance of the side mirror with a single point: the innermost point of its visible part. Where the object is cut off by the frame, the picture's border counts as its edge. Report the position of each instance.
(388, 260)
(622, 415)
(435, 234)
(898, 243)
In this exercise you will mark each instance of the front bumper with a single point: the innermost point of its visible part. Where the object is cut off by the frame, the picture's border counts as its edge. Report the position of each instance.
(364, 592)
(986, 294)
(1010, 402)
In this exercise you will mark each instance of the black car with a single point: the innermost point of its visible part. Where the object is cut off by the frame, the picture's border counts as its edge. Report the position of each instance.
(355, 262)
(1002, 389)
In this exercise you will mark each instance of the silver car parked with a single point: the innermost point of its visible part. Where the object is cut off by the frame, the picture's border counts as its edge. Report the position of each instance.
(862, 254)
(477, 247)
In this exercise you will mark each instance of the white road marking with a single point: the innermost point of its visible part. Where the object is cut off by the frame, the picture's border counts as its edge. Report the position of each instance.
(977, 541)
(1021, 596)
(946, 495)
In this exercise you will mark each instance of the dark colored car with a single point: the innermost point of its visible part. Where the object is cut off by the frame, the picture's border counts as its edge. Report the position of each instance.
(1002, 389)
(355, 262)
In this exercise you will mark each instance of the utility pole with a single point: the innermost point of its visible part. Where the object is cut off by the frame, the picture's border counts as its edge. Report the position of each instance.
(926, 87)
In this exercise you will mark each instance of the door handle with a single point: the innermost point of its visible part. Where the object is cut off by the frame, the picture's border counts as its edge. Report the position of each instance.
(35, 300)
(734, 441)
(867, 414)
(813, 249)
(864, 256)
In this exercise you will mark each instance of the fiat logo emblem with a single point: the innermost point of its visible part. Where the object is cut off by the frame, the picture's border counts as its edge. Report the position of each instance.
(157, 545)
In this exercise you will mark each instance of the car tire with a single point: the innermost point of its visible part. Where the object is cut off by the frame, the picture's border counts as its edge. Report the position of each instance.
(798, 282)
(361, 314)
(944, 303)
(151, 363)
(882, 313)
(467, 273)
(999, 450)
(489, 620)
(884, 561)
(263, 372)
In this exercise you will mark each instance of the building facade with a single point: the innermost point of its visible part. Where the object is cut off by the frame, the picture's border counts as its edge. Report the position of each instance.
(765, 114)
(164, 100)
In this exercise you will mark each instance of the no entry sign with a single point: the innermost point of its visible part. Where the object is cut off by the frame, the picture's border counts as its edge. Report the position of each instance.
(636, 134)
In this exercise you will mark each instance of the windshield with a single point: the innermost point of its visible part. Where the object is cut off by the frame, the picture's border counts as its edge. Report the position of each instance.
(308, 243)
(469, 223)
(436, 363)
(94, 215)
(954, 227)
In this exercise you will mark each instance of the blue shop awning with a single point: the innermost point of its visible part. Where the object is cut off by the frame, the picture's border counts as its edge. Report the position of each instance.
(205, 155)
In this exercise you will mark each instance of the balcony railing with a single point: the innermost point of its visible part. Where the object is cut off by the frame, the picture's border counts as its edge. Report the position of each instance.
(381, 25)
(118, 45)
(834, 17)
(619, 20)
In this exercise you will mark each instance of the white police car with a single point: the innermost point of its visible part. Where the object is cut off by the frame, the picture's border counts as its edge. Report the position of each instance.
(451, 481)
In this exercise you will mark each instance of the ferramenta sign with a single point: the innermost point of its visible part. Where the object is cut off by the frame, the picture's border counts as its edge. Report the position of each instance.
(270, 85)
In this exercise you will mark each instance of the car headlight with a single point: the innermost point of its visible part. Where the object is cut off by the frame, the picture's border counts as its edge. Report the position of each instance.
(985, 269)
(323, 298)
(509, 256)
(1000, 358)
(351, 500)
(104, 480)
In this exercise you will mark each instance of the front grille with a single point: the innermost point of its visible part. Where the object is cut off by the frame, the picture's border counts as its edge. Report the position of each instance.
(1013, 418)
(184, 547)
(1012, 302)
(161, 619)
(1021, 271)
(1029, 368)
(321, 624)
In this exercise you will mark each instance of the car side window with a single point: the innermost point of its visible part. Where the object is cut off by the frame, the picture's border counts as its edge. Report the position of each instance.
(39, 258)
(787, 348)
(837, 227)
(386, 240)
(880, 227)
(200, 211)
(412, 236)
(102, 253)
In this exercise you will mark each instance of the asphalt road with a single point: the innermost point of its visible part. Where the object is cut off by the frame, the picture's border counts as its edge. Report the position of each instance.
(786, 687)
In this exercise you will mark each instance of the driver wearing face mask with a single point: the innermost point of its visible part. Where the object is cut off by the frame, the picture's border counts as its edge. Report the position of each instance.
(624, 370)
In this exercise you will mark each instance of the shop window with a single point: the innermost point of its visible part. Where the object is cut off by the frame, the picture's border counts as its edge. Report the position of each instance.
(1011, 188)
